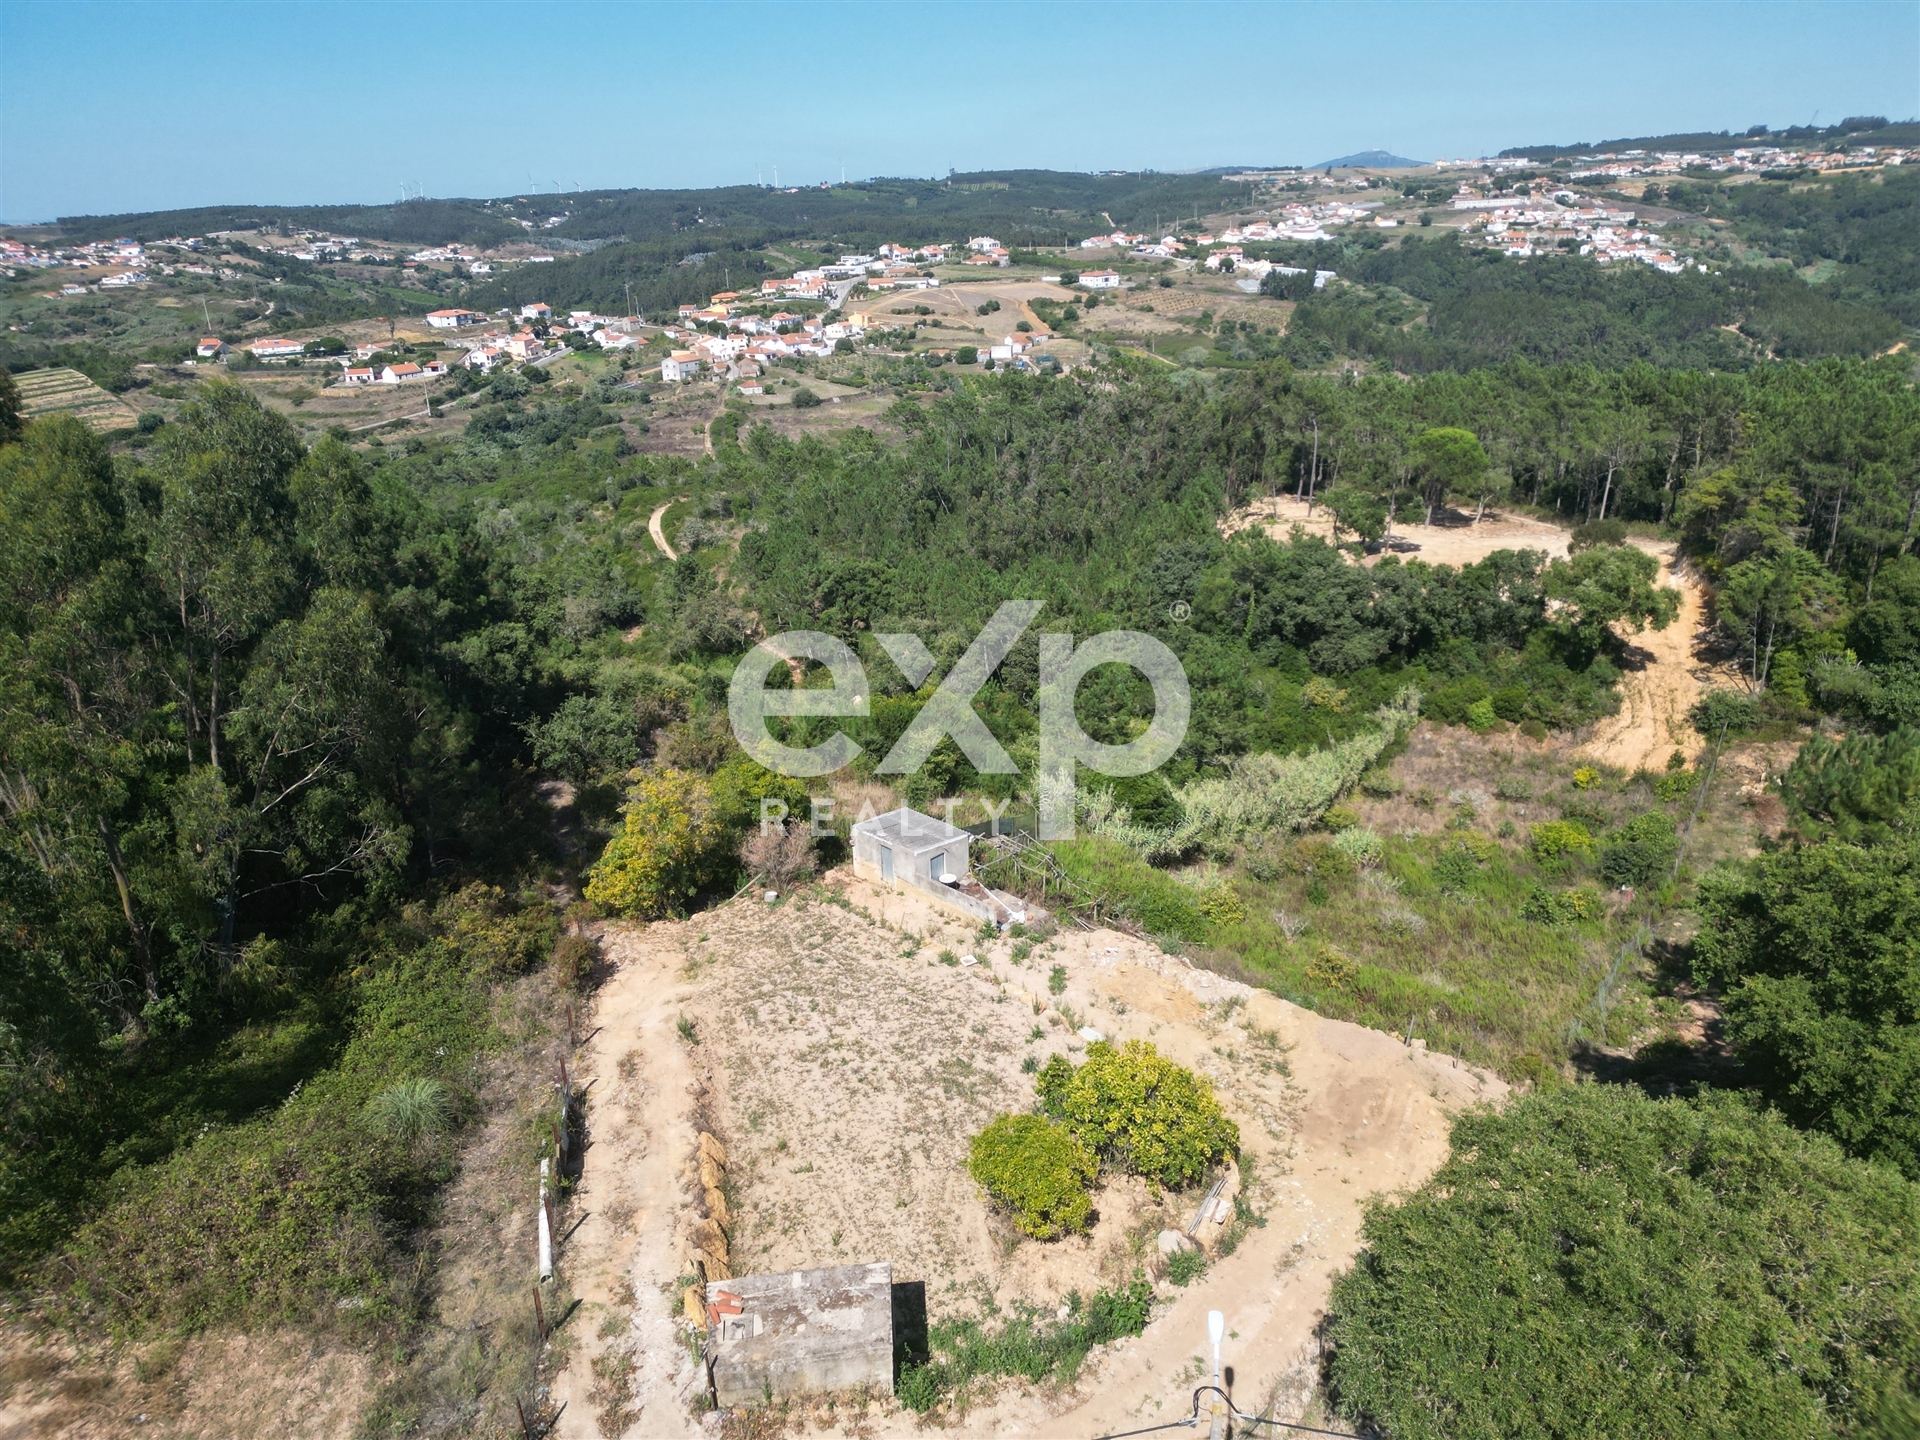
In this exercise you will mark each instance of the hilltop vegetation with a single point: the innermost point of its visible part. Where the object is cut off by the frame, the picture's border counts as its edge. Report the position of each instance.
(275, 713)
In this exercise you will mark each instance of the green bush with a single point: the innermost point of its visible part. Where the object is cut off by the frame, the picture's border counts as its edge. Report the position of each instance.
(283, 1216)
(672, 844)
(1480, 716)
(1860, 789)
(1039, 1170)
(1560, 907)
(1363, 847)
(1816, 953)
(1675, 785)
(1138, 1109)
(1593, 1262)
(1186, 1266)
(1641, 851)
(1455, 870)
(1559, 840)
(1131, 887)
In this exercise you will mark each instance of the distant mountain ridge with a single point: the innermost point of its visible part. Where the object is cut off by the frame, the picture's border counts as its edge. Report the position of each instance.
(1372, 159)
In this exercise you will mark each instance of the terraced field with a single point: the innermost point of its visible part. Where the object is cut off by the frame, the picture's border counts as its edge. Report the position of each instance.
(68, 392)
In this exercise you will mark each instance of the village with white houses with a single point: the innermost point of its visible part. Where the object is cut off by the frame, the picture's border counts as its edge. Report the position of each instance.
(818, 312)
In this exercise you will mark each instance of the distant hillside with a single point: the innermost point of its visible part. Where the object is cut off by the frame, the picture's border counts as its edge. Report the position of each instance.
(1373, 160)
(1860, 129)
(417, 222)
(1021, 207)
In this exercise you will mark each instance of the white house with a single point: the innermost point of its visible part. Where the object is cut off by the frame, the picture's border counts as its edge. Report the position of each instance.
(401, 373)
(277, 349)
(360, 376)
(536, 311)
(1100, 279)
(453, 319)
(210, 348)
(484, 358)
(680, 365)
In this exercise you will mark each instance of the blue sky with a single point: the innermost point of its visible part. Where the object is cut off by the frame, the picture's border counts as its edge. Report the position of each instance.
(138, 106)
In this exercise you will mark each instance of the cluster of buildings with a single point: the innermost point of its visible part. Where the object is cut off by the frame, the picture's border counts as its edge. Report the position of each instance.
(1139, 246)
(748, 344)
(1296, 221)
(1564, 222)
(1625, 164)
(1233, 258)
(891, 267)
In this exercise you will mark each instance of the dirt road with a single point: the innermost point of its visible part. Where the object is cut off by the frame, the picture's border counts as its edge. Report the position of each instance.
(623, 1259)
(846, 1066)
(655, 529)
(1661, 684)
(1664, 675)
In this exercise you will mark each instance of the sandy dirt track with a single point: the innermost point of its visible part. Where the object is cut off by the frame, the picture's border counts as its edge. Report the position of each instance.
(848, 1067)
(1664, 675)
(1662, 682)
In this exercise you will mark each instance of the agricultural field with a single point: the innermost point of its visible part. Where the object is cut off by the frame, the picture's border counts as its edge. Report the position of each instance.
(68, 392)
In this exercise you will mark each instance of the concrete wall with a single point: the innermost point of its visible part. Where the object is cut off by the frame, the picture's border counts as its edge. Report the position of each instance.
(803, 1332)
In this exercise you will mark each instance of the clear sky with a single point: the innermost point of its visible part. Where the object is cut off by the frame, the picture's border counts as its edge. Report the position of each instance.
(152, 105)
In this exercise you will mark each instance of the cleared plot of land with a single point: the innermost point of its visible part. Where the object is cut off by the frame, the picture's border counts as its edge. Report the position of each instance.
(846, 1069)
(1455, 540)
(68, 392)
(1664, 669)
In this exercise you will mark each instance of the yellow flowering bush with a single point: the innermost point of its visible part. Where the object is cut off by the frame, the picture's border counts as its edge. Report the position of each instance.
(1140, 1110)
(671, 845)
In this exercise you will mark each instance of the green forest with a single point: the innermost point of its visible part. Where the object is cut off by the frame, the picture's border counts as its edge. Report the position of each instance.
(277, 876)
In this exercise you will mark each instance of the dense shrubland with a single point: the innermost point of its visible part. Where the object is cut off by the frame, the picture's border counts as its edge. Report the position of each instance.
(272, 713)
(1594, 1262)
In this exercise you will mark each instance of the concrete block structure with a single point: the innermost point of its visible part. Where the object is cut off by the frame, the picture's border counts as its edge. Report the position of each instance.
(801, 1332)
(906, 848)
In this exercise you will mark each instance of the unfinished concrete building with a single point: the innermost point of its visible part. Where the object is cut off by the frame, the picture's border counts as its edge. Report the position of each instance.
(906, 848)
(801, 1332)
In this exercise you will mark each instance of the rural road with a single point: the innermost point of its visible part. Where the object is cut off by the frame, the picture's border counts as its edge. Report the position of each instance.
(655, 529)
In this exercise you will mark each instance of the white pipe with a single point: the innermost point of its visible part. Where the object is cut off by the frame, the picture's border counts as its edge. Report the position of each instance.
(546, 1230)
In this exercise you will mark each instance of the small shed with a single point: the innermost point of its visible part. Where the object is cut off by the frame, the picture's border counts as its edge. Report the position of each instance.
(800, 1332)
(907, 846)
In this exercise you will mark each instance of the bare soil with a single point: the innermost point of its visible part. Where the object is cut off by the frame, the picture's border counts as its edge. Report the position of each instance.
(1666, 670)
(846, 1067)
(1455, 539)
(1663, 680)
